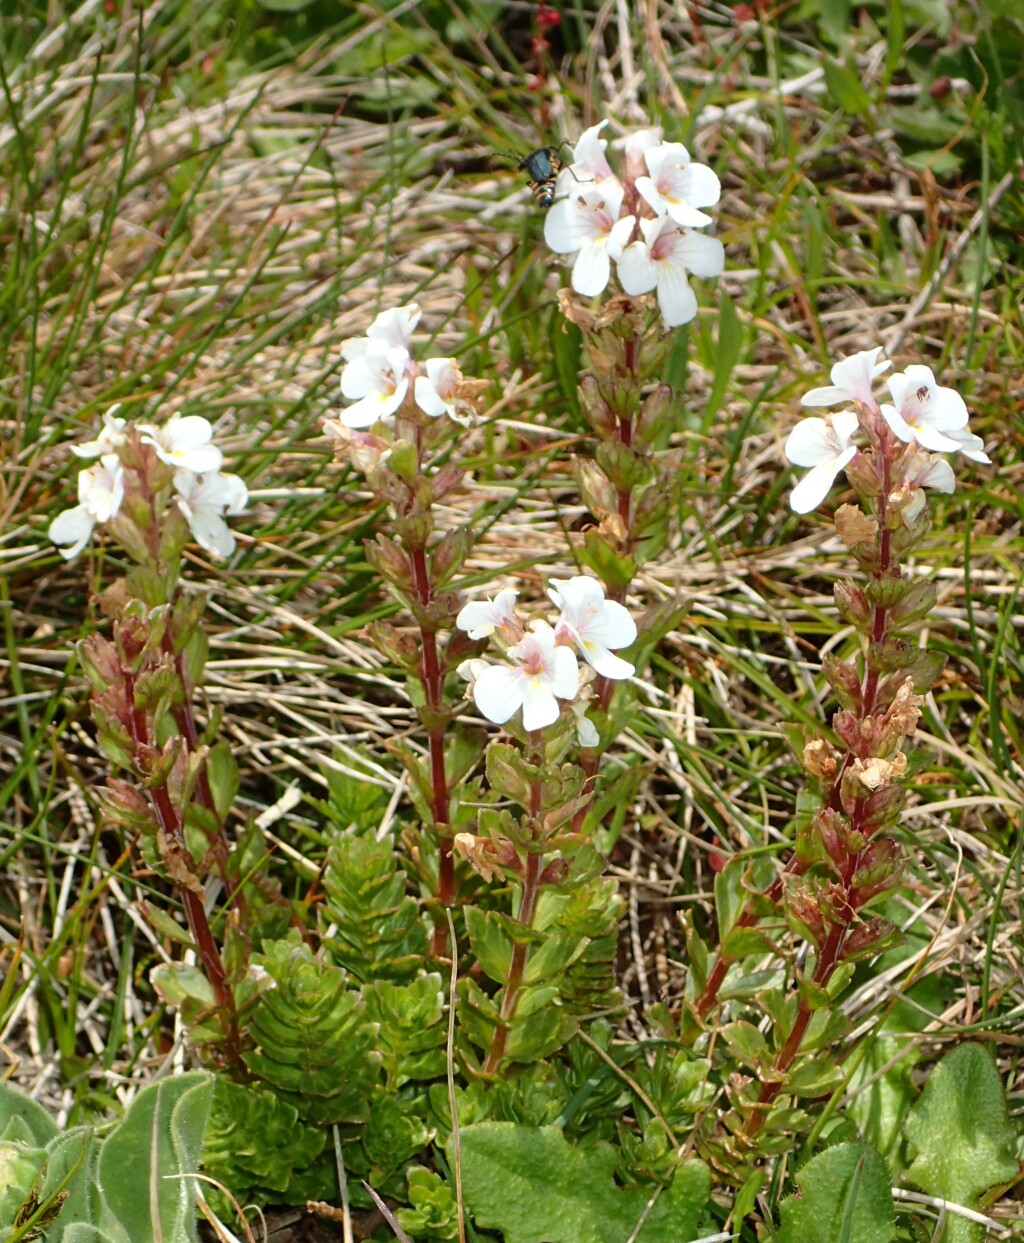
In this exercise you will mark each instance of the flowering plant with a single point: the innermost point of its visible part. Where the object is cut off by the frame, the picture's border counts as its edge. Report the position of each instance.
(542, 664)
(923, 416)
(647, 220)
(151, 483)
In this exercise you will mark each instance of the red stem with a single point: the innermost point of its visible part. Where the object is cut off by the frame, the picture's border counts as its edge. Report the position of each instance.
(517, 965)
(433, 689)
(192, 900)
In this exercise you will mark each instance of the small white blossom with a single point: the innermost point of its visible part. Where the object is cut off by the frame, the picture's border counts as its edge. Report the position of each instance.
(663, 260)
(184, 442)
(480, 618)
(924, 470)
(204, 502)
(436, 392)
(111, 437)
(593, 624)
(586, 730)
(677, 186)
(542, 674)
(925, 411)
(824, 445)
(100, 492)
(852, 380)
(393, 328)
(589, 162)
(587, 224)
(376, 380)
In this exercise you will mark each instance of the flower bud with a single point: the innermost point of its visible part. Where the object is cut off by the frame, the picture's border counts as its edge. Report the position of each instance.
(390, 560)
(595, 489)
(842, 676)
(599, 413)
(863, 475)
(868, 938)
(852, 604)
(656, 414)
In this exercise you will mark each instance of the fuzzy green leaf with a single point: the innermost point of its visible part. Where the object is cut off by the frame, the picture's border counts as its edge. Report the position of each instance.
(844, 1196)
(535, 1187)
(962, 1135)
(145, 1162)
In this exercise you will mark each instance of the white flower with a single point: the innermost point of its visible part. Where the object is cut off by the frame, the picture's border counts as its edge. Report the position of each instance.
(100, 492)
(924, 411)
(436, 393)
(852, 380)
(593, 624)
(589, 162)
(480, 618)
(184, 443)
(969, 444)
(392, 329)
(822, 444)
(663, 260)
(586, 730)
(677, 186)
(542, 674)
(204, 503)
(587, 224)
(376, 379)
(111, 437)
(923, 470)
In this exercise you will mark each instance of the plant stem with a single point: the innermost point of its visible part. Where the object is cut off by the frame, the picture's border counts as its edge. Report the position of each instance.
(844, 906)
(432, 676)
(188, 886)
(520, 951)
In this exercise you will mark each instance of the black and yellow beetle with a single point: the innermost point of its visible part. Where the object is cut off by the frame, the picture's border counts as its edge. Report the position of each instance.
(542, 167)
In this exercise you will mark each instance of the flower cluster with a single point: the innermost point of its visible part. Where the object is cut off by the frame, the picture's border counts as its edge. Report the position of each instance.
(924, 416)
(148, 463)
(381, 377)
(646, 221)
(541, 659)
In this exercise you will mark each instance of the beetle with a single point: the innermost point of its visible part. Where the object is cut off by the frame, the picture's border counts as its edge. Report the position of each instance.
(542, 167)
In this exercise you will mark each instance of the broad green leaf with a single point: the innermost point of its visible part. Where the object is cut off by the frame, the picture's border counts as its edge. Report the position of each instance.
(23, 1119)
(535, 1187)
(962, 1136)
(145, 1163)
(881, 1091)
(844, 1196)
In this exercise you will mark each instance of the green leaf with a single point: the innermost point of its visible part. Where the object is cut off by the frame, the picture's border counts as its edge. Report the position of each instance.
(730, 895)
(314, 1041)
(552, 956)
(145, 1162)
(727, 354)
(845, 88)
(747, 1044)
(844, 1196)
(24, 1120)
(539, 1034)
(535, 1187)
(881, 1091)
(222, 772)
(962, 1135)
(491, 942)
